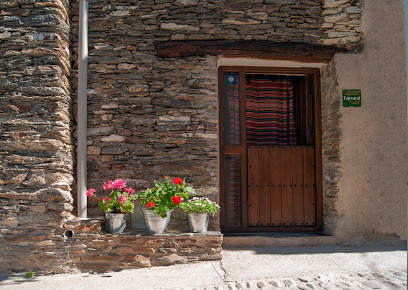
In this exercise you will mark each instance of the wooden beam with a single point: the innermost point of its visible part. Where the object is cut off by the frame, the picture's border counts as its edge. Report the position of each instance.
(255, 49)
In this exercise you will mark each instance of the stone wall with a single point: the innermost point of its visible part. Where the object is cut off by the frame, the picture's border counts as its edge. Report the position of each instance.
(91, 250)
(150, 117)
(36, 149)
(331, 136)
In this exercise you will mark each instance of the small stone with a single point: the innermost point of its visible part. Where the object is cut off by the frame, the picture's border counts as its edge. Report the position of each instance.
(93, 150)
(334, 3)
(327, 25)
(131, 47)
(114, 150)
(332, 11)
(120, 13)
(171, 260)
(336, 18)
(110, 106)
(334, 34)
(113, 138)
(286, 2)
(353, 10)
(174, 26)
(5, 35)
(126, 66)
(240, 21)
(372, 285)
(287, 283)
(274, 284)
(261, 285)
(186, 2)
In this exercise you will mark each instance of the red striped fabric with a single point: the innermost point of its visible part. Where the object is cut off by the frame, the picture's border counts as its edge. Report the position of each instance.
(270, 115)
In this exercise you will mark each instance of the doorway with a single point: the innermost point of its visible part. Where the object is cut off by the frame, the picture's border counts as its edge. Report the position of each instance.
(270, 149)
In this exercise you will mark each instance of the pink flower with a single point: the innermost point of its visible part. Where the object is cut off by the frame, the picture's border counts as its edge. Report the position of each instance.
(107, 185)
(129, 190)
(90, 192)
(122, 199)
(118, 183)
(106, 199)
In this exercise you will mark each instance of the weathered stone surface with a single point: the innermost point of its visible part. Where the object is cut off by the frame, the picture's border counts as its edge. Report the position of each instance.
(113, 138)
(176, 27)
(334, 3)
(114, 149)
(336, 18)
(281, 1)
(353, 10)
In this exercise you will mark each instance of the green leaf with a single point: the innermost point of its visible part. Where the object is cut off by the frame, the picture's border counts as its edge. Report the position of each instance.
(190, 190)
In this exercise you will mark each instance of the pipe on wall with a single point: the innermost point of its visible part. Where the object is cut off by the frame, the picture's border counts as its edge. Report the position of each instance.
(405, 3)
(82, 109)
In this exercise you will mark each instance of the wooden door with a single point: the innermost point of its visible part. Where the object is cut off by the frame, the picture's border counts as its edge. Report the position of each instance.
(281, 186)
(267, 187)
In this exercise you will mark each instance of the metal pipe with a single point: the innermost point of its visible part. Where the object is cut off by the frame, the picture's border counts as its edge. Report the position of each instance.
(405, 3)
(82, 108)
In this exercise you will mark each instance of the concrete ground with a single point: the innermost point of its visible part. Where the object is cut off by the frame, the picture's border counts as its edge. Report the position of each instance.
(321, 267)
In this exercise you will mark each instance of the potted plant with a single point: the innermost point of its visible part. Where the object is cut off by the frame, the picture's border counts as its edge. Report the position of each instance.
(116, 204)
(198, 210)
(158, 202)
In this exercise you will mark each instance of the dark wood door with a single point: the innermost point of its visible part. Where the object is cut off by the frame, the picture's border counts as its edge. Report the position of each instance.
(281, 186)
(268, 187)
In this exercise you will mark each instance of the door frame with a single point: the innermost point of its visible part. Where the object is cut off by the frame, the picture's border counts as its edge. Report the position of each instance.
(314, 74)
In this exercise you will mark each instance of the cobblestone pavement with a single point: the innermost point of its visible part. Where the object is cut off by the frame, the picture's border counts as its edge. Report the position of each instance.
(392, 279)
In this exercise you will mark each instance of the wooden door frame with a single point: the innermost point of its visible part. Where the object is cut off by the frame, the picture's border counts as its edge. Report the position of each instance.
(241, 70)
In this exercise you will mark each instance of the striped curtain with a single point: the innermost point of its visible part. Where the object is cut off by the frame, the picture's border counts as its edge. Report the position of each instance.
(270, 115)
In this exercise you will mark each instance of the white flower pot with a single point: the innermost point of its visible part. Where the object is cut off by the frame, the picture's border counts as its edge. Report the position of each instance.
(198, 222)
(155, 224)
(115, 223)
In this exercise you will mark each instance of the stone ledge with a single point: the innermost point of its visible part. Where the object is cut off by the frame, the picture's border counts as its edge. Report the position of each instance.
(91, 249)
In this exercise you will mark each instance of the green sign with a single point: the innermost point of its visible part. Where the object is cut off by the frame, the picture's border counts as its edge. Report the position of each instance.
(351, 98)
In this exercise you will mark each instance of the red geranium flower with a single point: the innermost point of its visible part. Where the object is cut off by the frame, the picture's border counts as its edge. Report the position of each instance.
(150, 204)
(176, 199)
(178, 181)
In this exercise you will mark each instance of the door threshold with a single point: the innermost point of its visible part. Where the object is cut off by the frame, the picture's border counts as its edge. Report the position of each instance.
(278, 239)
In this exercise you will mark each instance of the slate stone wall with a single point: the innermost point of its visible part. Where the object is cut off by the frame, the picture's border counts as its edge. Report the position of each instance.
(148, 116)
(36, 147)
(332, 128)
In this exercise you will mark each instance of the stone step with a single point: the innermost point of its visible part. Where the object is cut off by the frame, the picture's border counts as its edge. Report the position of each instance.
(278, 240)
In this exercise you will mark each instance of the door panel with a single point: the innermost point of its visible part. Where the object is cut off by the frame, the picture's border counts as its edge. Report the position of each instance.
(287, 177)
(281, 186)
(298, 174)
(253, 181)
(309, 187)
(263, 187)
(275, 182)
